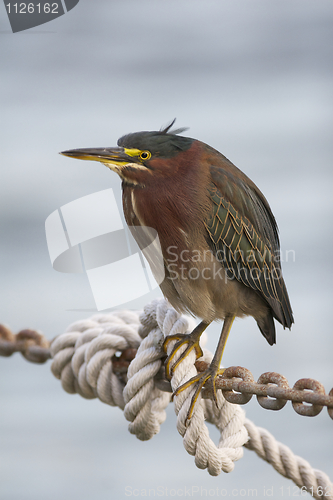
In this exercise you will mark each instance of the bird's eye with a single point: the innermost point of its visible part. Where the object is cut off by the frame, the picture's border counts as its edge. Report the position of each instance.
(145, 155)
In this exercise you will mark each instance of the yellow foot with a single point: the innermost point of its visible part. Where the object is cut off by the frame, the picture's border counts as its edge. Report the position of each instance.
(192, 342)
(207, 379)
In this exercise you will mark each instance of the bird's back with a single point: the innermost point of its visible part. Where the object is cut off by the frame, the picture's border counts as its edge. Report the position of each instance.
(242, 229)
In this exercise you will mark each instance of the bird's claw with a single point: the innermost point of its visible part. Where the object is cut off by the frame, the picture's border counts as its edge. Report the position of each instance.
(183, 339)
(206, 378)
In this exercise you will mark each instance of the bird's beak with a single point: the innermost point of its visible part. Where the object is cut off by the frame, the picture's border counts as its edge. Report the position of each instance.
(108, 156)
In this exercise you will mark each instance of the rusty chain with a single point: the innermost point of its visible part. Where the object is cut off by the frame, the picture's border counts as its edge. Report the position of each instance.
(308, 396)
(30, 343)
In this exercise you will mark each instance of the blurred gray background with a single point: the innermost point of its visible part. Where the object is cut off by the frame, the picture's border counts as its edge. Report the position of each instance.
(253, 78)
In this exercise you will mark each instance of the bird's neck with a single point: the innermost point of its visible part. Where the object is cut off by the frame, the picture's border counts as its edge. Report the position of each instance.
(174, 206)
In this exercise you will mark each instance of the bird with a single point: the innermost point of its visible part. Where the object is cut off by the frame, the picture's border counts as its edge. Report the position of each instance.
(218, 236)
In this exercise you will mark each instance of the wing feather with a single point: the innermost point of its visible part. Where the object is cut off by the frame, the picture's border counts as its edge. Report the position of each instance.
(248, 256)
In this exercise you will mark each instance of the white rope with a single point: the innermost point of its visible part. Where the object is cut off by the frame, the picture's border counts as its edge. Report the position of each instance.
(82, 356)
(145, 404)
(286, 463)
(164, 321)
(82, 360)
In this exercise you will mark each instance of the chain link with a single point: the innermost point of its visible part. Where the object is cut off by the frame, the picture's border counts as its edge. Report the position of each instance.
(30, 343)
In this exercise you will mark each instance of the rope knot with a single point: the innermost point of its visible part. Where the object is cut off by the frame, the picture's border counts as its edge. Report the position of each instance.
(84, 355)
(163, 320)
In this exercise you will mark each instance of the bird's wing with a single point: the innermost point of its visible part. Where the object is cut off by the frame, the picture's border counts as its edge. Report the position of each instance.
(248, 256)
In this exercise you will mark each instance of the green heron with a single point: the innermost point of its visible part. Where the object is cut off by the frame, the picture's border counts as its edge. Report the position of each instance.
(218, 236)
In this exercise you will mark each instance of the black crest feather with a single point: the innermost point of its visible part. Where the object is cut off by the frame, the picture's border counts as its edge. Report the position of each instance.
(176, 131)
(164, 143)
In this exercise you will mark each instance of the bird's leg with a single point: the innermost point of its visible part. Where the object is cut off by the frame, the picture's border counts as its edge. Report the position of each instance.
(212, 372)
(192, 340)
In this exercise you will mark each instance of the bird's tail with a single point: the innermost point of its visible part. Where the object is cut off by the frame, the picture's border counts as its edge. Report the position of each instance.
(267, 327)
(281, 308)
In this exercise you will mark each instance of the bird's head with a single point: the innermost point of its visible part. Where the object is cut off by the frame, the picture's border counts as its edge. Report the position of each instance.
(141, 157)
